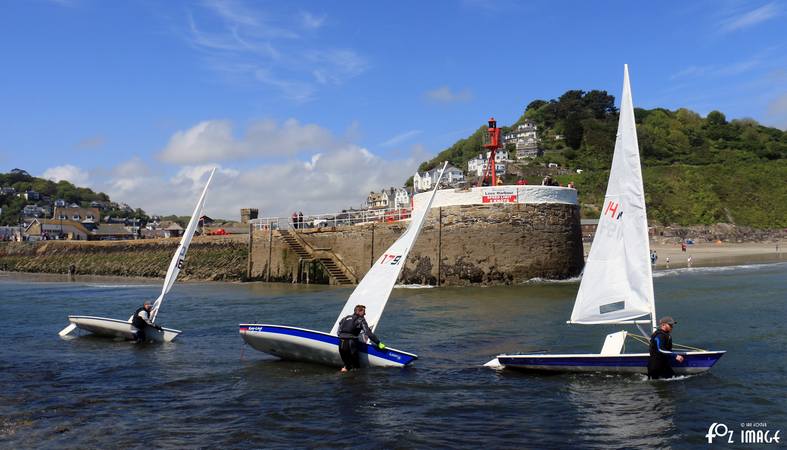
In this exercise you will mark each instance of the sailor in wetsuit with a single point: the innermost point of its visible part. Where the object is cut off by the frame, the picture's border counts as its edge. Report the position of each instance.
(661, 354)
(141, 321)
(350, 329)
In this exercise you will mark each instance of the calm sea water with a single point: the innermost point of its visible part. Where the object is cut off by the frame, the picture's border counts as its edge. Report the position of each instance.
(209, 390)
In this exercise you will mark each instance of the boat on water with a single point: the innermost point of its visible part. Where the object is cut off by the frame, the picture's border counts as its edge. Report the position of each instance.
(617, 283)
(300, 344)
(123, 329)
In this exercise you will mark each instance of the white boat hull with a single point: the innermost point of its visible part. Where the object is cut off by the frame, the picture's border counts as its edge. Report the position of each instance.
(103, 326)
(300, 344)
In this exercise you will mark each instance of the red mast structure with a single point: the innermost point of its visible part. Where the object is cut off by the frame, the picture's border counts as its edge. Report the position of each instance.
(491, 143)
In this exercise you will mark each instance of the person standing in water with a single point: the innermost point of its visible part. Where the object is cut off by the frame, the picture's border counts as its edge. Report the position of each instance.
(350, 329)
(661, 354)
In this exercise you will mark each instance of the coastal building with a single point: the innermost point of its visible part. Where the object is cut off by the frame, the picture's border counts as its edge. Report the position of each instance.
(77, 214)
(171, 229)
(31, 196)
(7, 191)
(60, 203)
(40, 229)
(247, 214)
(425, 181)
(34, 211)
(525, 140)
(111, 232)
(377, 200)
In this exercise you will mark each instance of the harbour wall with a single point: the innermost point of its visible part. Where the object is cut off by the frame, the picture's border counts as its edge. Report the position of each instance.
(534, 232)
(483, 236)
(209, 257)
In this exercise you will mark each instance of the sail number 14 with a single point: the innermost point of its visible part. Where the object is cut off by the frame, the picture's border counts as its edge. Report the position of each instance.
(391, 259)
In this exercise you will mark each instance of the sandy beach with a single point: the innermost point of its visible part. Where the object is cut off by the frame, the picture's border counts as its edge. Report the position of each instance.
(723, 254)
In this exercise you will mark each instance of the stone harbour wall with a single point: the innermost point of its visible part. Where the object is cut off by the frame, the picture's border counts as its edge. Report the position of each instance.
(458, 245)
(209, 257)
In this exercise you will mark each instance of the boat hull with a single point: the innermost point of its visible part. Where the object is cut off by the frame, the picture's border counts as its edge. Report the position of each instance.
(693, 363)
(300, 344)
(103, 326)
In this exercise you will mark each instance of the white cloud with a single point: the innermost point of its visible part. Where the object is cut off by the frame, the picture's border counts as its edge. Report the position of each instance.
(327, 182)
(444, 94)
(309, 20)
(242, 40)
(777, 111)
(401, 137)
(213, 140)
(92, 142)
(73, 174)
(750, 18)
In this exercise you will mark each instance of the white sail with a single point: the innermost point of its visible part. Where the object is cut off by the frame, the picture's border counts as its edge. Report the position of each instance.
(376, 286)
(617, 283)
(180, 254)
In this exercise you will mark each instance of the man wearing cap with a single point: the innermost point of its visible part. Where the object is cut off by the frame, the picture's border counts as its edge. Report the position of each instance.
(350, 329)
(661, 354)
(141, 321)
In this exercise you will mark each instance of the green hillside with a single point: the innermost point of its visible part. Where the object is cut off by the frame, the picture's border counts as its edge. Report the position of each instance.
(697, 170)
(21, 181)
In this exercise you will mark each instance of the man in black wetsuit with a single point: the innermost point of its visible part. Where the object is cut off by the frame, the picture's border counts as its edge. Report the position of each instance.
(661, 354)
(141, 321)
(349, 329)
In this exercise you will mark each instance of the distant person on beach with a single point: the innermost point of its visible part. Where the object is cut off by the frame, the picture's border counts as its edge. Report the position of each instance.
(688, 261)
(683, 246)
(141, 321)
(661, 354)
(350, 329)
(294, 218)
(667, 262)
(300, 219)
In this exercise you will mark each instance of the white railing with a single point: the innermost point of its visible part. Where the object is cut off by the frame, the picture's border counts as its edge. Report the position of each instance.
(342, 219)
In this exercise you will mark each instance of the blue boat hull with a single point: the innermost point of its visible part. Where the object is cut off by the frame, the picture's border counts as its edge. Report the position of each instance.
(694, 362)
(300, 344)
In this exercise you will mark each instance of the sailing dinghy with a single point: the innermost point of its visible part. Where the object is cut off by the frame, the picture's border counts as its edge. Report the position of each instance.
(300, 344)
(103, 326)
(617, 284)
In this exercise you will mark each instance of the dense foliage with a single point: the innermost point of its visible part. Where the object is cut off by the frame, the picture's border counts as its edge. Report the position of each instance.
(697, 170)
(22, 181)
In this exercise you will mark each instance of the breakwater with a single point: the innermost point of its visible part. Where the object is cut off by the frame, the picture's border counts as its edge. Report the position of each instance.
(481, 236)
(209, 257)
(459, 245)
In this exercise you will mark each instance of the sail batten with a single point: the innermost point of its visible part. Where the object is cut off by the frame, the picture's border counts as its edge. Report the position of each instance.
(376, 286)
(176, 264)
(618, 265)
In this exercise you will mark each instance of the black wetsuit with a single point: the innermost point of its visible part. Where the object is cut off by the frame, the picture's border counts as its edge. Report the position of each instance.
(140, 324)
(661, 356)
(349, 329)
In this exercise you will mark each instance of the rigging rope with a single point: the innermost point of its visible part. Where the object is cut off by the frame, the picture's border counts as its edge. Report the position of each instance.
(679, 346)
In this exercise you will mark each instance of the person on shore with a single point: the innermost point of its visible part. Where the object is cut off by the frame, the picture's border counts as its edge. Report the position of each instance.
(350, 329)
(141, 321)
(667, 262)
(294, 218)
(688, 261)
(661, 354)
(300, 219)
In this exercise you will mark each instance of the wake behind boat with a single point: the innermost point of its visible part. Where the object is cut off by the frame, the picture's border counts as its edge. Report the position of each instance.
(617, 283)
(115, 328)
(300, 344)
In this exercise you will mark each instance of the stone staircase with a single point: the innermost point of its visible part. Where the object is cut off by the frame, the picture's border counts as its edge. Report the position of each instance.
(295, 244)
(339, 273)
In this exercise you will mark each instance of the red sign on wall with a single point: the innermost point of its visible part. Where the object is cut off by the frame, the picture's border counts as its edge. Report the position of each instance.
(498, 195)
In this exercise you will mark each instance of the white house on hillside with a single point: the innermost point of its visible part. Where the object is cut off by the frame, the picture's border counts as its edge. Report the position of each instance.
(388, 198)
(425, 181)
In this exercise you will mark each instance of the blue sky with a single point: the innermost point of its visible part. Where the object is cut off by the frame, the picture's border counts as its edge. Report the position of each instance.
(310, 105)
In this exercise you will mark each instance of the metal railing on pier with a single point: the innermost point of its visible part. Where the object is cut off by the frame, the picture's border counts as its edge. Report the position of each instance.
(342, 219)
